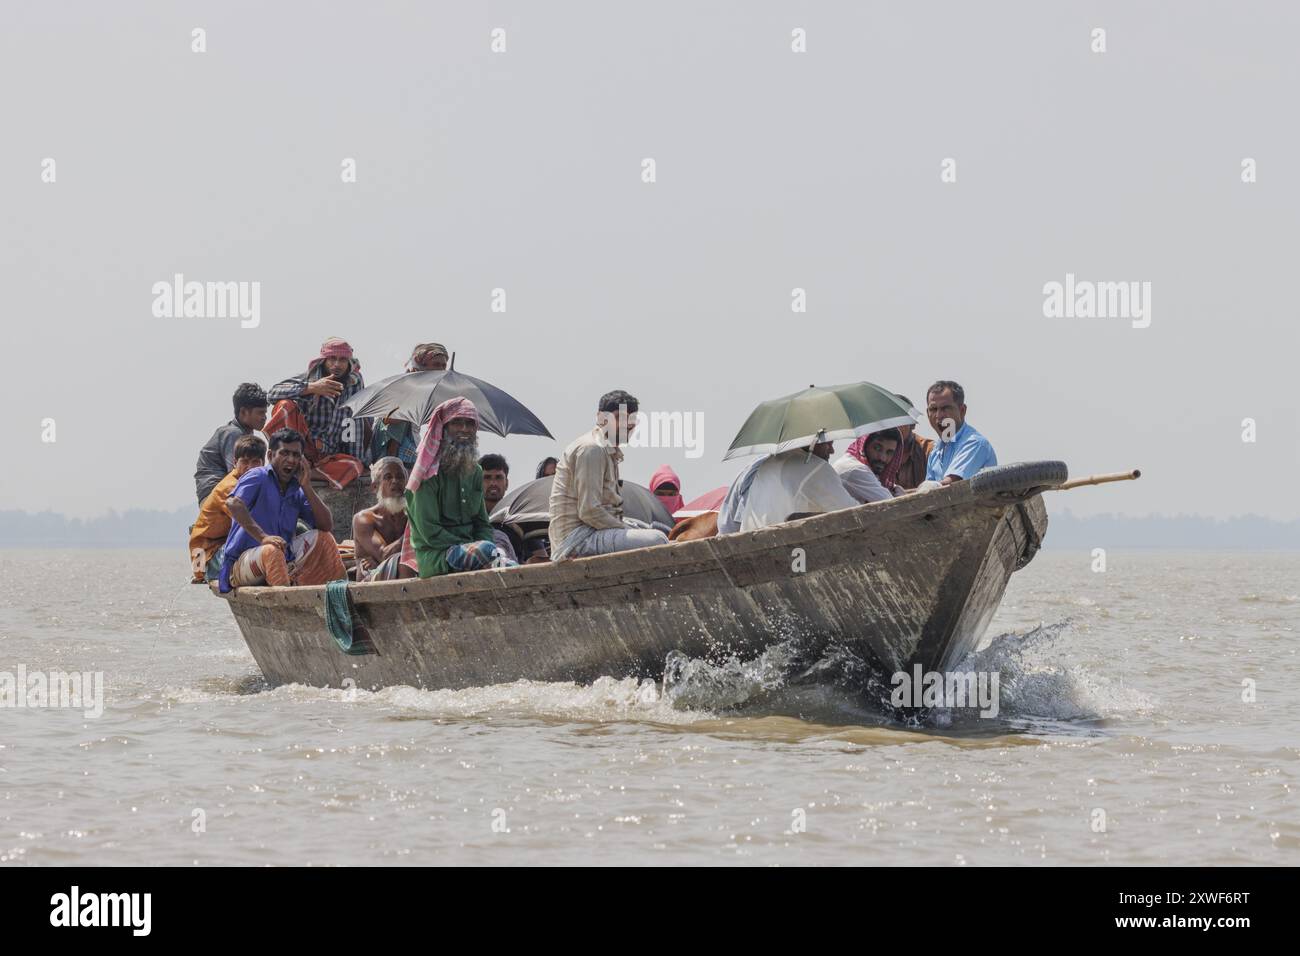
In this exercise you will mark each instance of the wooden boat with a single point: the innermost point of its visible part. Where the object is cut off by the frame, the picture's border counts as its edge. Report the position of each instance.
(910, 581)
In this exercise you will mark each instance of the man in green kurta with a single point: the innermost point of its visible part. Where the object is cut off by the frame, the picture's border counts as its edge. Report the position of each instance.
(446, 516)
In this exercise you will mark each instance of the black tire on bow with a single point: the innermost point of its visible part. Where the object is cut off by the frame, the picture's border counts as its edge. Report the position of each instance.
(1022, 476)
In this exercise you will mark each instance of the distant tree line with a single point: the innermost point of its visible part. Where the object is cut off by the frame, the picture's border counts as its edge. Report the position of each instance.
(127, 529)
(1249, 533)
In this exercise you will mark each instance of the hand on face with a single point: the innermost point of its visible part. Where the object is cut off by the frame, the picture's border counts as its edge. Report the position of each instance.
(287, 460)
(392, 483)
(338, 367)
(327, 386)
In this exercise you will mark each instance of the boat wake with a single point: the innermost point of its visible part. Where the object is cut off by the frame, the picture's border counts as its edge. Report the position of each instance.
(604, 700)
(1040, 689)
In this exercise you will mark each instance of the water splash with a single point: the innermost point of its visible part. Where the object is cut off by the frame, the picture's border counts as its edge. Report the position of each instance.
(1038, 685)
(605, 699)
(1039, 681)
(694, 684)
(833, 685)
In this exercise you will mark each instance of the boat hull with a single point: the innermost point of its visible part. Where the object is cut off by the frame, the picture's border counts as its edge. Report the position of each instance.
(911, 581)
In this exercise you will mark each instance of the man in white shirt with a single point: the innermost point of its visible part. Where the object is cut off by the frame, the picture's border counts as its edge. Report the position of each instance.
(860, 476)
(793, 482)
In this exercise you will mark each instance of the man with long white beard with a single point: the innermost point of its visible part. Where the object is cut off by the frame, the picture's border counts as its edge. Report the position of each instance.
(447, 528)
(378, 531)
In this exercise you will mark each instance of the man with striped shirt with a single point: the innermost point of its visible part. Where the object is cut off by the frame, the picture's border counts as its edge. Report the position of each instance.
(337, 446)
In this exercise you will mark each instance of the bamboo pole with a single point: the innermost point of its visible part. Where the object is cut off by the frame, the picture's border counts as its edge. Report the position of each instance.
(1100, 479)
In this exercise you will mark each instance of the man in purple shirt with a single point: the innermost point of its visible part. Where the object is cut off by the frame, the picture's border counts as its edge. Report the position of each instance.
(266, 505)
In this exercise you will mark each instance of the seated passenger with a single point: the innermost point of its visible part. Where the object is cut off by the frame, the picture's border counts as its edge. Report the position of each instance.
(448, 527)
(312, 405)
(667, 487)
(961, 451)
(263, 546)
(377, 531)
(217, 457)
(496, 479)
(428, 357)
(733, 505)
(863, 466)
(208, 534)
(401, 439)
(586, 507)
(796, 482)
(909, 472)
(546, 467)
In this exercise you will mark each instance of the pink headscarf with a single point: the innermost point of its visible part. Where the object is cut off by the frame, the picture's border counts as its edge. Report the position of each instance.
(333, 347)
(426, 459)
(665, 475)
(890, 475)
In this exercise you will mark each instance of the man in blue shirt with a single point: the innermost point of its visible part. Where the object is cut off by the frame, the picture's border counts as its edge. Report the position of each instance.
(266, 505)
(961, 451)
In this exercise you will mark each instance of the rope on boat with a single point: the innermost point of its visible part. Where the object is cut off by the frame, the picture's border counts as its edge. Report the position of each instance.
(338, 617)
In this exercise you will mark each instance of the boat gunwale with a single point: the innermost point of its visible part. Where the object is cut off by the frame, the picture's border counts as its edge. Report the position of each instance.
(651, 564)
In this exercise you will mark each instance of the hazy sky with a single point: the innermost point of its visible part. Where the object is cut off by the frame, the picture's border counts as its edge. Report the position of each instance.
(775, 170)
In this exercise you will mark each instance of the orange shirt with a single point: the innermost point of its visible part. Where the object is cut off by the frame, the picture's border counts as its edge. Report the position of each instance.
(213, 524)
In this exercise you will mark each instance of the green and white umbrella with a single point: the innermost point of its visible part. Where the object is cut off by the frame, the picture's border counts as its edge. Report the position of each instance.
(818, 414)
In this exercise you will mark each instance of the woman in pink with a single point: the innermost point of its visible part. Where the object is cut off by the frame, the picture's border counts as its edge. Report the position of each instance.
(667, 487)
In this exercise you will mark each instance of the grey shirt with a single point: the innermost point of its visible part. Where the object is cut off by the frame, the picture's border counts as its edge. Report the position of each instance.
(217, 457)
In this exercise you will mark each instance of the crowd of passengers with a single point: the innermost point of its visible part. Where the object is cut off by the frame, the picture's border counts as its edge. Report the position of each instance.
(262, 522)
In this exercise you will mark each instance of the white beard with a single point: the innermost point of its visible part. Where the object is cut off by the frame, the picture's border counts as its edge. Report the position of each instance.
(458, 458)
(392, 506)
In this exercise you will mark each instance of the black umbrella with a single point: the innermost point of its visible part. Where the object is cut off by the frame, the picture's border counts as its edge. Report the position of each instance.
(530, 503)
(412, 397)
